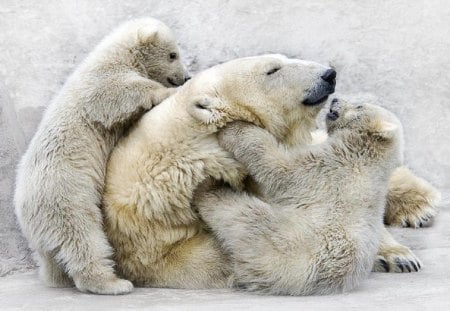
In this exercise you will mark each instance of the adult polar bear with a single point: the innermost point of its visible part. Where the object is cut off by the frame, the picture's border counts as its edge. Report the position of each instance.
(153, 172)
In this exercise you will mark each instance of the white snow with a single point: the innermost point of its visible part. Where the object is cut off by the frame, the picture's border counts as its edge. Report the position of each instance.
(426, 290)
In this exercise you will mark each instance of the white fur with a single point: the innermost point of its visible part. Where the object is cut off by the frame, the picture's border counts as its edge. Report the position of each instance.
(61, 176)
(318, 225)
(173, 150)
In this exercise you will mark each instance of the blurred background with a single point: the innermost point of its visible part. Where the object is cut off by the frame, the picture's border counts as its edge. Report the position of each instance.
(394, 52)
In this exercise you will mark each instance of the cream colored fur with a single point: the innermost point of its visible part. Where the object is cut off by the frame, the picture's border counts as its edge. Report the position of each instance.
(153, 172)
(319, 223)
(411, 202)
(172, 152)
(61, 176)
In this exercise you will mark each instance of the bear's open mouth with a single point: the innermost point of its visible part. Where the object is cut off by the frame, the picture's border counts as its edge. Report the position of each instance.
(333, 115)
(171, 82)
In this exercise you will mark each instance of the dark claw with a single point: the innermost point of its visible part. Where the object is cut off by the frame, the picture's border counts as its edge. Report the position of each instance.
(385, 265)
(399, 264)
(418, 264)
(242, 286)
(420, 224)
(408, 268)
(414, 265)
(408, 224)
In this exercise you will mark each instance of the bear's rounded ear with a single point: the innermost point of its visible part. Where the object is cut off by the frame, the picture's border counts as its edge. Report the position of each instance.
(146, 35)
(384, 129)
(207, 110)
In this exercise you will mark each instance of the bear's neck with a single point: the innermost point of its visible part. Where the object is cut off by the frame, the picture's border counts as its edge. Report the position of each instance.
(299, 133)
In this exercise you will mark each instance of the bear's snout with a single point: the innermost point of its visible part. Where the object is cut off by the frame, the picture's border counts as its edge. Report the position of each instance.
(175, 81)
(330, 76)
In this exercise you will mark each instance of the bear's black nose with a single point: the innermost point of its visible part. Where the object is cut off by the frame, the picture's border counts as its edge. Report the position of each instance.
(333, 115)
(329, 76)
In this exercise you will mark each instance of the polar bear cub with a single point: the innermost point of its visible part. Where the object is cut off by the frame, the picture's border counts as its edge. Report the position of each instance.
(319, 229)
(61, 176)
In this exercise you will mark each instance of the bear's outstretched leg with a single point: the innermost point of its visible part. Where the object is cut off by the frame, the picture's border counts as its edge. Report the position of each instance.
(394, 257)
(411, 201)
(50, 272)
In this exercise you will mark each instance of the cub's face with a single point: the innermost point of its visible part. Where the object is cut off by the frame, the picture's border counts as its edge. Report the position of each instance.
(278, 92)
(159, 55)
(364, 119)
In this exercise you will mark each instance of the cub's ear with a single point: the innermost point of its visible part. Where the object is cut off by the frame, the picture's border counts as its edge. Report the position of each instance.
(207, 110)
(384, 129)
(146, 36)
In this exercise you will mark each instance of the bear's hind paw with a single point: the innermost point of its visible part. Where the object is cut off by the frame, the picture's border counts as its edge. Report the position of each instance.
(399, 259)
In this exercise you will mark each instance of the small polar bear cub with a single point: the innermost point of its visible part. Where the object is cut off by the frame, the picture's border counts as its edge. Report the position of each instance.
(60, 178)
(319, 229)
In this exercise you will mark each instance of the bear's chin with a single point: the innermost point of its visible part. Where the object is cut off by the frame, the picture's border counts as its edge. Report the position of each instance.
(314, 101)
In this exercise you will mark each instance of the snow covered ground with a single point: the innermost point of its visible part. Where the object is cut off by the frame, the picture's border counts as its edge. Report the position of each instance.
(395, 51)
(427, 290)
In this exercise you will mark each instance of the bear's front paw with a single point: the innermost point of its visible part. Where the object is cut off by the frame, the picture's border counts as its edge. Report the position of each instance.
(411, 201)
(397, 259)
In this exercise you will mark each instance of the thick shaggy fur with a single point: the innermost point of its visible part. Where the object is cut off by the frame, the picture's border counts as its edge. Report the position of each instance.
(319, 228)
(153, 172)
(61, 176)
(412, 202)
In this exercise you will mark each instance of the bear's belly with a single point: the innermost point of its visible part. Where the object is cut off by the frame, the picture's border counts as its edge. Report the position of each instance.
(149, 219)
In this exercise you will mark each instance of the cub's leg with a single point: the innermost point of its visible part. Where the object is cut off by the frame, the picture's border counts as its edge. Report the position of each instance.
(50, 272)
(230, 214)
(394, 257)
(411, 201)
(261, 242)
(79, 245)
